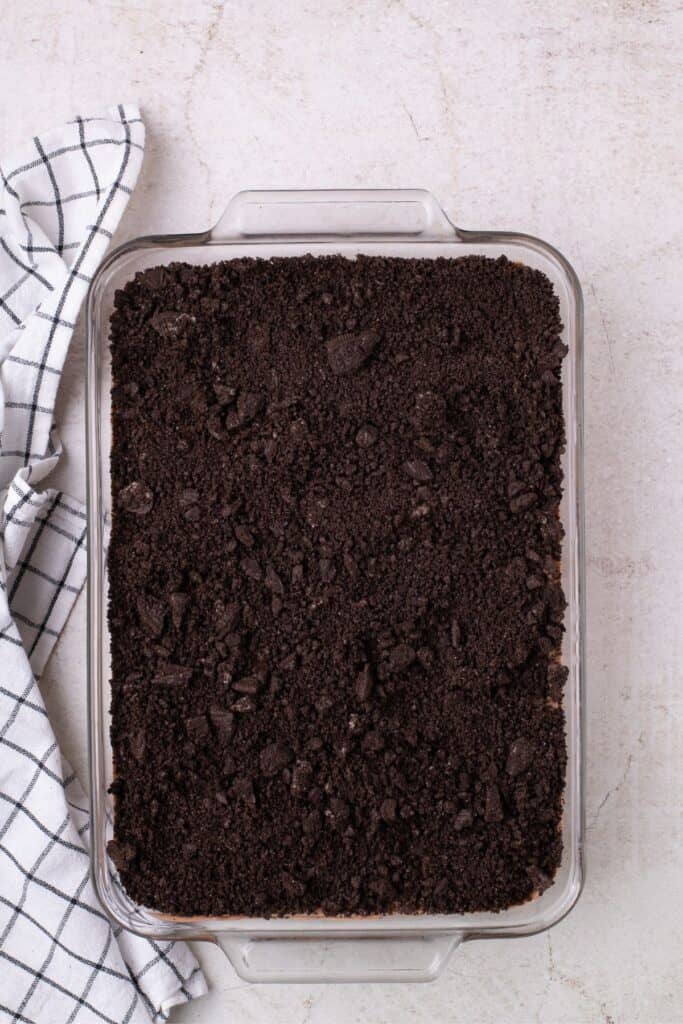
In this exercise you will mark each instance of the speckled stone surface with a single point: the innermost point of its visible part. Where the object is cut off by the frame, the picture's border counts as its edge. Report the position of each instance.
(563, 123)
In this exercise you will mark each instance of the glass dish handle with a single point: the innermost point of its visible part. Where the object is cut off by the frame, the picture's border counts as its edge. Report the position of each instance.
(298, 960)
(385, 213)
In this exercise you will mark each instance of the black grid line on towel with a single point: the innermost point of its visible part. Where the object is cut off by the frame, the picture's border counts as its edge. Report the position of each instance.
(30, 268)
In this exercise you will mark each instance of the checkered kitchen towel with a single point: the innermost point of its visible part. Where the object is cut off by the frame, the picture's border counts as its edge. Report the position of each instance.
(60, 960)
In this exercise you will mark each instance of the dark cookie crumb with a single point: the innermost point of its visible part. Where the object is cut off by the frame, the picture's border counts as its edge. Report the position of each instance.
(335, 607)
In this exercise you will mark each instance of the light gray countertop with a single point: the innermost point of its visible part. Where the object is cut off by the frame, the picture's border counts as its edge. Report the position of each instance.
(558, 120)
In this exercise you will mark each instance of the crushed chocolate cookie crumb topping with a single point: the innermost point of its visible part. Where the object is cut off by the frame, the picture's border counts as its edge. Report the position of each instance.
(335, 605)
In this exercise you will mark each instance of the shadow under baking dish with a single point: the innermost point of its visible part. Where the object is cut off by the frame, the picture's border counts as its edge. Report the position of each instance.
(399, 223)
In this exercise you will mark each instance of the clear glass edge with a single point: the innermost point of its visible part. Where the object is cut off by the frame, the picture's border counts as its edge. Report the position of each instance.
(323, 929)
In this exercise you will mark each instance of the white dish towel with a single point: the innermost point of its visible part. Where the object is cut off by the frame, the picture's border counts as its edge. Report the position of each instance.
(60, 960)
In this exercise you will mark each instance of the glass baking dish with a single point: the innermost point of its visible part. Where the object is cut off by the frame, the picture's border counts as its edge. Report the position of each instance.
(408, 223)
